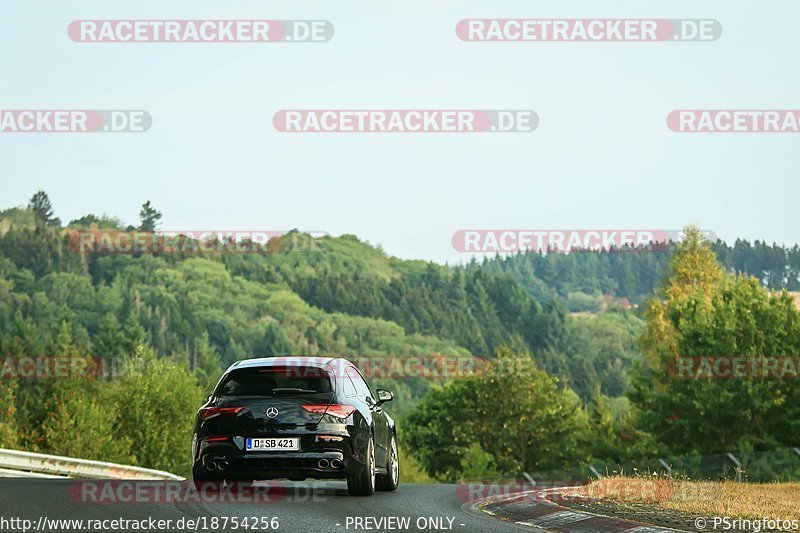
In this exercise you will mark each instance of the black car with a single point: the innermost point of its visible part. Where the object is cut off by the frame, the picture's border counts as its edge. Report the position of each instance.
(296, 418)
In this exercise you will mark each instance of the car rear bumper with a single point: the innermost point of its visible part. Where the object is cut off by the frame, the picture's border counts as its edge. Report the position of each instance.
(318, 461)
(275, 465)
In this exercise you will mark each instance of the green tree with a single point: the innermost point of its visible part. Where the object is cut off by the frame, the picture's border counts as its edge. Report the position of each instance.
(208, 368)
(43, 209)
(274, 342)
(64, 345)
(514, 412)
(148, 217)
(614, 435)
(477, 464)
(156, 399)
(110, 342)
(711, 315)
(133, 334)
(9, 432)
(693, 274)
(81, 425)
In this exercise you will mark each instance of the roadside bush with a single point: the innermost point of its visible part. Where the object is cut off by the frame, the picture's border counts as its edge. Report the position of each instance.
(514, 412)
(82, 425)
(8, 422)
(156, 401)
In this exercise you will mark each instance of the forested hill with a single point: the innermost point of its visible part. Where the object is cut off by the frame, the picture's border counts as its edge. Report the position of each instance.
(329, 295)
(581, 278)
(177, 319)
(342, 297)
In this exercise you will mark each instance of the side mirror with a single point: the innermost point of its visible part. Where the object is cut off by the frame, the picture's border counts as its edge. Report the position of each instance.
(384, 396)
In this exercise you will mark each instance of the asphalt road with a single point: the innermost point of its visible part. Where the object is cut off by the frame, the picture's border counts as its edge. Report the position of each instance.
(297, 506)
(326, 506)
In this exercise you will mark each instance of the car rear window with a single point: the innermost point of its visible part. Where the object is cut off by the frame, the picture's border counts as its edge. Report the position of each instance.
(265, 381)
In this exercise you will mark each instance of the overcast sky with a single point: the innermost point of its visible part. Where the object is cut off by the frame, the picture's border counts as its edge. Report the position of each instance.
(602, 156)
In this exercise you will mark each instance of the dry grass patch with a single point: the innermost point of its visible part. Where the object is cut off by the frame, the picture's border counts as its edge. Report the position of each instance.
(702, 498)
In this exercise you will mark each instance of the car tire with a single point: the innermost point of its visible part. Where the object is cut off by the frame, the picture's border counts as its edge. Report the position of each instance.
(362, 482)
(391, 480)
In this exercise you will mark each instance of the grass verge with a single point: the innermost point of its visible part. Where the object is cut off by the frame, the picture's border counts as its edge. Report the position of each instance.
(780, 501)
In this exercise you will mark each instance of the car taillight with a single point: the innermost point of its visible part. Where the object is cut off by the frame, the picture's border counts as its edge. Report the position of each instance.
(329, 438)
(215, 439)
(211, 412)
(339, 411)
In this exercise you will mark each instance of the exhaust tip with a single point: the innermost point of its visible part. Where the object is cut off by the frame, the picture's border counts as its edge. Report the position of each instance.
(323, 463)
(336, 463)
(222, 465)
(211, 465)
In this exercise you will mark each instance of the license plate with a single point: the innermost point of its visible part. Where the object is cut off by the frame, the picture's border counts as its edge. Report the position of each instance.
(272, 445)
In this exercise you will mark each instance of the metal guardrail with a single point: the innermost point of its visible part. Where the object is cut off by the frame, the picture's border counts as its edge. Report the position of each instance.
(782, 464)
(14, 463)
